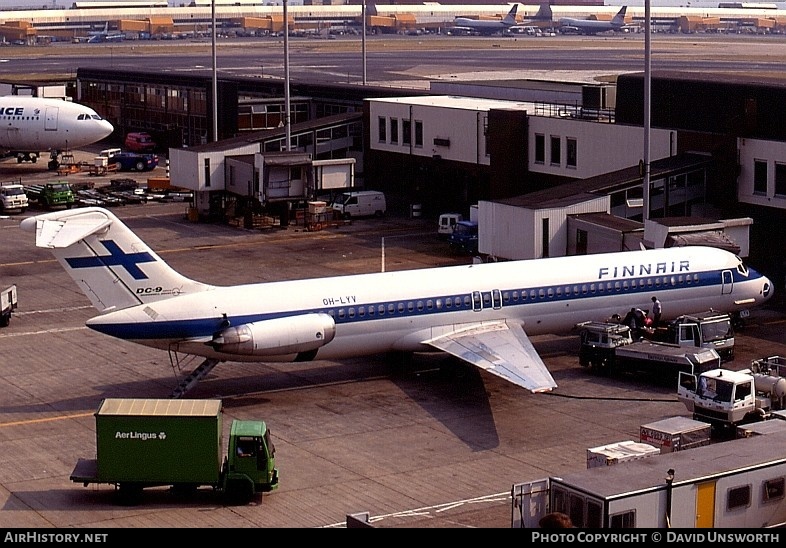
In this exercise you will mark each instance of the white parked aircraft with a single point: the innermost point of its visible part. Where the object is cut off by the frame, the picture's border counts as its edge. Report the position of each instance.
(591, 26)
(480, 313)
(483, 26)
(30, 125)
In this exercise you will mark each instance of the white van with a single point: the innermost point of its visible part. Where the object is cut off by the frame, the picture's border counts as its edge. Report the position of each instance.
(361, 203)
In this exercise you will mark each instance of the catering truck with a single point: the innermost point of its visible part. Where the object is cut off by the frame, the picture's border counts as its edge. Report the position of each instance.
(609, 347)
(142, 443)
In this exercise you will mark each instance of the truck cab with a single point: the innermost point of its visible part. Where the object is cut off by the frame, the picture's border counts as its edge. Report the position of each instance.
(464, 238)
(599, 341)
(250, 464)
(13, 197)
(707, 330)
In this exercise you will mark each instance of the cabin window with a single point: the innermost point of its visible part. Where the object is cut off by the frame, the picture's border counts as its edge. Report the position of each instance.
(738, 497)
(351, 312)
(430, 304)
(773, 490)
(391, 308)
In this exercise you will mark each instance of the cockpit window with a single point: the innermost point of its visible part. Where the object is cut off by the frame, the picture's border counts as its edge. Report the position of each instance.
(741, 268)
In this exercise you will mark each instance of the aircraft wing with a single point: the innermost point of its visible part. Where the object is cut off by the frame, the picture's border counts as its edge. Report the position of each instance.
(501, 348)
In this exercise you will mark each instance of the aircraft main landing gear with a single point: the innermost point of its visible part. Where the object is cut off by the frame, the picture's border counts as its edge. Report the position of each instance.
(26, 157)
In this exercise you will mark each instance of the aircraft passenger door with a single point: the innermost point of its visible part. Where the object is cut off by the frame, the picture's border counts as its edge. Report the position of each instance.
(50, 122)
(486, 299)
(496, 299)
(727, 282)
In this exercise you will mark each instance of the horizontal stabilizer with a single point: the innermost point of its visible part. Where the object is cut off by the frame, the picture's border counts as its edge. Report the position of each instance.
(501, 349)
(65, 233)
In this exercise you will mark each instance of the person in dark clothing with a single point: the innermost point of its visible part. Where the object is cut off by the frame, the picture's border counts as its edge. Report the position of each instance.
(657, 310)
(556, 520)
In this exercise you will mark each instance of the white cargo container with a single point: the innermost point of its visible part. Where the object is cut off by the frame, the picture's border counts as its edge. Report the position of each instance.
(615, 453)
(675, 434)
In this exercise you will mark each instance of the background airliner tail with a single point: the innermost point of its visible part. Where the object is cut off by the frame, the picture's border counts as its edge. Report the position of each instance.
(112, 266)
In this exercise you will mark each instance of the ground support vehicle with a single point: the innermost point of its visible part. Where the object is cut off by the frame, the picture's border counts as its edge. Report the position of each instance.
(140, 142)
(142, 443)
(608, 347)
(727, 398)
(363, 203)
(734, 484)
(133, 161)
(50, 195)
(706, 330)
(446, 223)
(13, 197)
(8, 303)
(464, 238)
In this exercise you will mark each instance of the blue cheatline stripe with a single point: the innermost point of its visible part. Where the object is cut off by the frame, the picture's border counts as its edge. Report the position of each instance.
(116, 257)
(206, 327)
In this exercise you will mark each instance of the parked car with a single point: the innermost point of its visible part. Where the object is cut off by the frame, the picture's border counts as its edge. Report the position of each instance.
(140, 142)
(133, 161)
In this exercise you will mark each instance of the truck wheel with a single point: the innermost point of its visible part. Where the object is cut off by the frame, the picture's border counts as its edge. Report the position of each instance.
(140, 165)
(239, 492)
(129, 494)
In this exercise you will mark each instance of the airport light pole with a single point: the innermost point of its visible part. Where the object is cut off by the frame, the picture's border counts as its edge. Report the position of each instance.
(647, 108)
(287, 126)
(215, 73)
(363, 38)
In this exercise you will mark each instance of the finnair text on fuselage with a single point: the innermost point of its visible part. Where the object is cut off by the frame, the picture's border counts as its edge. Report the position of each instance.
(644, 269)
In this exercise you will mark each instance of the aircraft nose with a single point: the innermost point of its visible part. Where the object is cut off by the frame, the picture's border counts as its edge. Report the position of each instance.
(105, 128)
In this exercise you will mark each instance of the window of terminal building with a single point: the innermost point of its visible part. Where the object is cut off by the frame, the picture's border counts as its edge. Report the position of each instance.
(780, 179)
(540, 148)
(418, 133)
(383, 129)
(406, 132)
(394, 130)
(760, 177)
(556, 151)
(571, 152)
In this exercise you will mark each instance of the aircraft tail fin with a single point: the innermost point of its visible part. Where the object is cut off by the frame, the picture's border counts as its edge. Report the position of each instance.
(544, 13)
(619, 19)
(510, 18)
(112, 266)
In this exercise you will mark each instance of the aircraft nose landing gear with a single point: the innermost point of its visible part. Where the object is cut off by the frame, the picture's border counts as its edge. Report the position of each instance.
(53, 163)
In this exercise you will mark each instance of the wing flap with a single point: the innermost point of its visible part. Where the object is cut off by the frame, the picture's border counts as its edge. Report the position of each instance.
(501, 349)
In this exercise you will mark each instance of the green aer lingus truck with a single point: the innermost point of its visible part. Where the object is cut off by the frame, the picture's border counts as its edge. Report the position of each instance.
(143, 443)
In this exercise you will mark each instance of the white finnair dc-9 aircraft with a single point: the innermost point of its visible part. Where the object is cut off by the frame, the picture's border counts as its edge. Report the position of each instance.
(481, 313)
(30, 125)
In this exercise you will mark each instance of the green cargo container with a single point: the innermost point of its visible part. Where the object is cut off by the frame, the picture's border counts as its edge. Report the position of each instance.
(167, 441)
